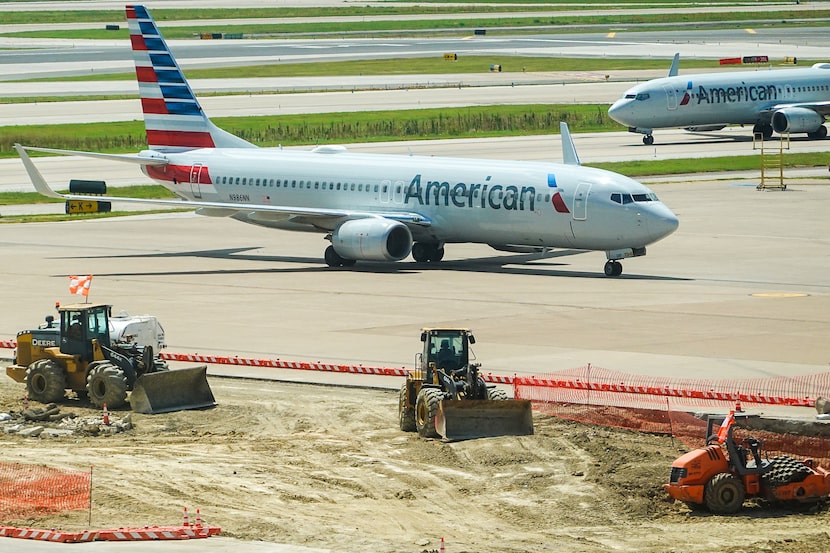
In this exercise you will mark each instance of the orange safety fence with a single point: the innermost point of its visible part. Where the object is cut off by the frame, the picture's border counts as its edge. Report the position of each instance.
(666, 406)
(36, 490)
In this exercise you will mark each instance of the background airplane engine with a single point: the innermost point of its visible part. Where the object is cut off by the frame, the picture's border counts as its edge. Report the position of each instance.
(796, 120)
(374, 239)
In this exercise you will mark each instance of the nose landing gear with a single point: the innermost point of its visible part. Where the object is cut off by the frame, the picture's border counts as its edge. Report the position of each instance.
(613, 268)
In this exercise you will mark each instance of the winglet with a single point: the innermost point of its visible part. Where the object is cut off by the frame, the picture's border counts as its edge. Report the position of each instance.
(674, 64)
(569, 155)
(35, 176)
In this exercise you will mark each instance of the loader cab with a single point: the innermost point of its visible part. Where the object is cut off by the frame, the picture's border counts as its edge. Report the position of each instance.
(80, 325)
(445, 348)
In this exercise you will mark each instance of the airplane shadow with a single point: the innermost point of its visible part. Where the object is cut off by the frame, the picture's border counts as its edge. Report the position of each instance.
(718, 137)
(537, 264)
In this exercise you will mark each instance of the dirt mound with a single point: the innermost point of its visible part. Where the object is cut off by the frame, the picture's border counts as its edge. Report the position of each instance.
(328, 467)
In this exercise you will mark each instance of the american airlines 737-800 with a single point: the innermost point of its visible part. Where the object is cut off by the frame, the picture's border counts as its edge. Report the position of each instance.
(784, 101)
(373, 206)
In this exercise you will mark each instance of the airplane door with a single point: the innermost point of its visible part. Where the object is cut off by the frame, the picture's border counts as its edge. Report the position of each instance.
(398, 192)
(583, 189)
(385, 191)
(671, 98)
(195, 178)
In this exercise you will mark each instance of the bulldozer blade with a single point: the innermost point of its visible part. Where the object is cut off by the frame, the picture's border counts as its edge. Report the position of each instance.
(173, 390)
(483, 418)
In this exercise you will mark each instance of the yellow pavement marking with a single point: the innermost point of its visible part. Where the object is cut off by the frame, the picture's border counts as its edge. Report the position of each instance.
(780, 295)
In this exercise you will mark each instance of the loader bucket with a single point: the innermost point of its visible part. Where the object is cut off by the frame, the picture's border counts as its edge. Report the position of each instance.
(483, 418)
(173, 390)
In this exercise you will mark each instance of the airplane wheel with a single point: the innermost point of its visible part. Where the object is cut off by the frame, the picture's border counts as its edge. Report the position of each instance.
(819, 134)
(648, 139)
(426, 252)
(420, 252)
(333, 259)
(613, 268)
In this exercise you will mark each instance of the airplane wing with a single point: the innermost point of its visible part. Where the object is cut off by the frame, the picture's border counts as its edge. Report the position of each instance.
(308, 215)
(822, 108)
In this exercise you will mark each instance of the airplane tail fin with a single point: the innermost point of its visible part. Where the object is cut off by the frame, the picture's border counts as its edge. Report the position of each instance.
(674, 65)
(173, 118)
(569, 155)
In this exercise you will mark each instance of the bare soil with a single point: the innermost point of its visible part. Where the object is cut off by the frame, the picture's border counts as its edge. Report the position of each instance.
(327, 467)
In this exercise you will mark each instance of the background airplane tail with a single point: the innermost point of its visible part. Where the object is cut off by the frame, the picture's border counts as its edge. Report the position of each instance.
(173, 118)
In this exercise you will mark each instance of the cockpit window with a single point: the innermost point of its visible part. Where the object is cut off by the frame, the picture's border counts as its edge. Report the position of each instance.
(650, 197)
(643, 96)
(630, 96)
(621, 198)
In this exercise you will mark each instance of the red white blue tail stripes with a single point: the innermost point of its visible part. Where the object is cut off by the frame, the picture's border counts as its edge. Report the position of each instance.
(173, 118)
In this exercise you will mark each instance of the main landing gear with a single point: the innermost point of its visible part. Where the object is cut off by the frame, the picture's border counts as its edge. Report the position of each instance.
(333, 259)
(613, 268)
(427, 252)
(648, 139)
(765, 130)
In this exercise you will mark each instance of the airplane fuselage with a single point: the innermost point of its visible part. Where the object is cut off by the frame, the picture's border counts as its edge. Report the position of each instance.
(462, 200)
(741, 98)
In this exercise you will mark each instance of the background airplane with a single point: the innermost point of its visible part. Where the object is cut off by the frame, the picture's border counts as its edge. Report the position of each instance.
(370, 206)
(784, 101)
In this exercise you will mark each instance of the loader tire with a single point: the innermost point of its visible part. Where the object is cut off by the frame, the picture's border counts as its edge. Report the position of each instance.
(106, 383)
(45, 381)
(426, 407)
(724, 494)
(405, 414)
(496, 394)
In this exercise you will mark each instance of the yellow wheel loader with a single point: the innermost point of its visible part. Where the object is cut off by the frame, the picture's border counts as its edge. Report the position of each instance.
(446, 397)
(78, 354)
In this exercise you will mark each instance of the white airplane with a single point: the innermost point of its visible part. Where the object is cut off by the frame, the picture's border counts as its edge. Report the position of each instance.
(784, 101)
(373, 206)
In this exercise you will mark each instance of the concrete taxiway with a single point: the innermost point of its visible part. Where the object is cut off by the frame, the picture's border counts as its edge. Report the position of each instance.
(740, 290)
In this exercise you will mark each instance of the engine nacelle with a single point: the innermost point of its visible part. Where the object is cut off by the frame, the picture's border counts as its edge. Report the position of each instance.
(374, 239)
(796, 120)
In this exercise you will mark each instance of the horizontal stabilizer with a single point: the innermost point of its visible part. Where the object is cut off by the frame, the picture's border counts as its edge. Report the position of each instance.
(124, 158)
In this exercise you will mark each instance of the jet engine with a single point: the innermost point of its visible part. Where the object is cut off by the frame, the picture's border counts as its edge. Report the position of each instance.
(374, 239)
(796, 120)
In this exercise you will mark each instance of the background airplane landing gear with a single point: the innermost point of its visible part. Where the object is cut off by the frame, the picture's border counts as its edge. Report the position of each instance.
(613, 268)
(763, 130)
(648, 139)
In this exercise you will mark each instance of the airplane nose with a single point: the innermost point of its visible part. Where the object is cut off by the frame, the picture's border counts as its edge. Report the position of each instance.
(616, 111)
(662, 222)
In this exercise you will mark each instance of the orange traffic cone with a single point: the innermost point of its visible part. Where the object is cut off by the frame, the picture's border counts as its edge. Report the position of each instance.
(738, 408)
(199, 518)
(186, 518)
(441, 549)
(106, 415)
